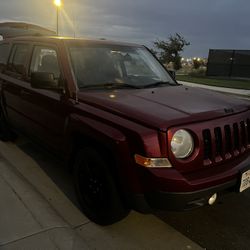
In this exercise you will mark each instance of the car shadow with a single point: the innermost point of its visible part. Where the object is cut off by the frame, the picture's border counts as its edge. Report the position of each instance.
(51, 165)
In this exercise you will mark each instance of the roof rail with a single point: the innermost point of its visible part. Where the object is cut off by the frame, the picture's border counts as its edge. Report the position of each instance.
(15, 29)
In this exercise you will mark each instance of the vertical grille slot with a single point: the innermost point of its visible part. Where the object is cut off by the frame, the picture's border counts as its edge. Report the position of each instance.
(207, 144)
(243, 134)
(218, 141)
(248, 131)
(224, 140)
(228, 139)
(236, 136)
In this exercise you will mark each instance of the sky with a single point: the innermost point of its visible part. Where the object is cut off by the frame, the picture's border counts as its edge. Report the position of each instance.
(205, 24)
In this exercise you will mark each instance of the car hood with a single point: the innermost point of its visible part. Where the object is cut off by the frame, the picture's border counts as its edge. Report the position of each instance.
(164, 106)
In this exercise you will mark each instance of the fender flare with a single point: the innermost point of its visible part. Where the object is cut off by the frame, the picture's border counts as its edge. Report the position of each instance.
(115, 141)
(93, 129)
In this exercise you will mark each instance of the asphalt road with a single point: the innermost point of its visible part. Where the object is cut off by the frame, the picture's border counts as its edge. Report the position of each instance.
(225, 225)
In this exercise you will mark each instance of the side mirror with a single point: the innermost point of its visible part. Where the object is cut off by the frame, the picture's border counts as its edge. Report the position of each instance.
(44, 80)
(172, 73)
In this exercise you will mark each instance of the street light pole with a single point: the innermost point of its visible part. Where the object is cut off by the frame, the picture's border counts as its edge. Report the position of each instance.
(58, 4)
(57, 20)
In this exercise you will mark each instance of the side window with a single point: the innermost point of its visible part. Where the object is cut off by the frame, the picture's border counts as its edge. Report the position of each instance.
(18, 58)
(44, 59)
(4, 53)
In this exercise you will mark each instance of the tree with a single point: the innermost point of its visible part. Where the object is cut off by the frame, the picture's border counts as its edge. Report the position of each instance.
(153, 51)
(169, 51)
(197, 63)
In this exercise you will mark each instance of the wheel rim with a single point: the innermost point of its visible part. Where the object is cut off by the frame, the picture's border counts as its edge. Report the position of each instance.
(92, 186)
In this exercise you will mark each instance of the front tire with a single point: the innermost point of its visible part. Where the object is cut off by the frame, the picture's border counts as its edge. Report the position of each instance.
(96, 189)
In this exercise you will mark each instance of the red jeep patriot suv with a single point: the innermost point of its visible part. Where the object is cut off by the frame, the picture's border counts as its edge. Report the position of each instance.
(133, 136)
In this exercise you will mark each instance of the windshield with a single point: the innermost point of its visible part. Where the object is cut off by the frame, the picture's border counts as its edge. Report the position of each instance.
(105, 66)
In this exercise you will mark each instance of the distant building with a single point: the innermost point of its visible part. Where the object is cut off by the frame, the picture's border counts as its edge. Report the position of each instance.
(229, 63)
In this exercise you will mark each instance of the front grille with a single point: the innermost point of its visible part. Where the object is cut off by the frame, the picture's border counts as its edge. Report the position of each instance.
(218, 142)
(225, 141)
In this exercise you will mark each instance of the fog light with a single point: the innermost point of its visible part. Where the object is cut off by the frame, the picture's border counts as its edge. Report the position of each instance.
(212, 199)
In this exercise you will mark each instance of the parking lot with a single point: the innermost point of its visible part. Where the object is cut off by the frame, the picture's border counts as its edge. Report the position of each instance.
(223, 226)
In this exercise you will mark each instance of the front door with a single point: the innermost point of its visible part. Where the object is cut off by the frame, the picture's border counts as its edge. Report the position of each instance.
(46, 110)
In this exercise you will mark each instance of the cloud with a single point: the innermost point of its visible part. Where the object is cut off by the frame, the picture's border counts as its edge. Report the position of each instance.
(206, 24)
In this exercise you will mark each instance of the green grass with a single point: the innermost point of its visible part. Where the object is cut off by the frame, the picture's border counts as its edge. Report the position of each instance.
(218, 82)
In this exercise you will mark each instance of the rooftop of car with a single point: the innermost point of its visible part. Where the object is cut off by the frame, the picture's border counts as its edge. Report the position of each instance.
(71, 40)
(21, 31)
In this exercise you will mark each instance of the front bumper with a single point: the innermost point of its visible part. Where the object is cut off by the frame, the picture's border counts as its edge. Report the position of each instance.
(171, 190)
(189, 200)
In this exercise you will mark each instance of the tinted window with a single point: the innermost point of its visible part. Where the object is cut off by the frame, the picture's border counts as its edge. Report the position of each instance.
(4, 53)
(44, 59)
(18, 58)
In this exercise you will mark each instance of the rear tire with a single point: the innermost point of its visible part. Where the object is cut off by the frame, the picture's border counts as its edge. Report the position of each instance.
(96, 189)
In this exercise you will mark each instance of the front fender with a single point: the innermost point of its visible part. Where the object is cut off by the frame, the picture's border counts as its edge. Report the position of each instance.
(112, 139)
(103, 133)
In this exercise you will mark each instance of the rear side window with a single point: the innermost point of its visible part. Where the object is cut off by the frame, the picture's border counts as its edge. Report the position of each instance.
(4, 54)
(18, 58)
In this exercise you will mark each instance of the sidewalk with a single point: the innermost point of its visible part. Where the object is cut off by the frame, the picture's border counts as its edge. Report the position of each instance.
(35, 214)
(242, 92)
(27, 221)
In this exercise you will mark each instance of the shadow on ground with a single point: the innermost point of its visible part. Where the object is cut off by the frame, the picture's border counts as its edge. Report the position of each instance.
(52, 166)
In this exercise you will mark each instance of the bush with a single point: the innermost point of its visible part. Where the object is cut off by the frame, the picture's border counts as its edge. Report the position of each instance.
(198, 72)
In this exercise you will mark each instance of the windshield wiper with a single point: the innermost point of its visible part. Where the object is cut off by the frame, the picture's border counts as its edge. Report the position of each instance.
(159, 83)
(128, 86)
(110, 85)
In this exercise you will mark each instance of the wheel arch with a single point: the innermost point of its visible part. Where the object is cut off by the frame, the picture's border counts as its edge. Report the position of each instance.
(110, 142)
(84, 131)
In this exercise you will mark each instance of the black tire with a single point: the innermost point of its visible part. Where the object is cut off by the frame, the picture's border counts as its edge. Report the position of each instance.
(96, 189)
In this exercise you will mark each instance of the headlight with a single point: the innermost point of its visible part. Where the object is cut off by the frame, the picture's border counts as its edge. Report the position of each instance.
(182, 144)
